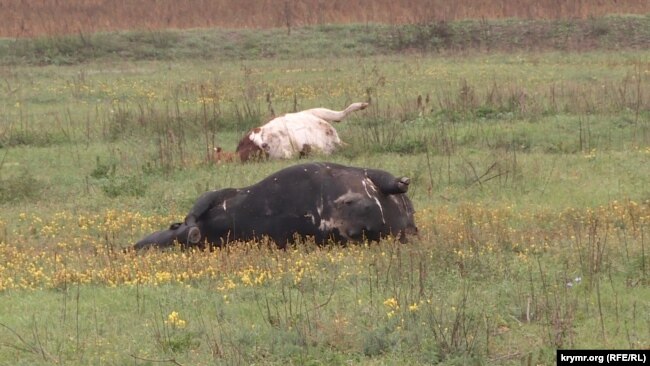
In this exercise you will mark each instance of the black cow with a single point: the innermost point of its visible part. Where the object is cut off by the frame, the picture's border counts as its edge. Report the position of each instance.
(325, 201)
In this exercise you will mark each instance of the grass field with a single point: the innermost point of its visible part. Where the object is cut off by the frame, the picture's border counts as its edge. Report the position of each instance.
(529, 170)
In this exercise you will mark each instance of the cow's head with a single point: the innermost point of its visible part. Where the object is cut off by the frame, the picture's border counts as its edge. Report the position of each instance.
(249, 148)
(177, 233)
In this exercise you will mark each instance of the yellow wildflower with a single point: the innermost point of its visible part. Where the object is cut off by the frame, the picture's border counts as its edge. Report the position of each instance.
(175, 320)
(392, 303)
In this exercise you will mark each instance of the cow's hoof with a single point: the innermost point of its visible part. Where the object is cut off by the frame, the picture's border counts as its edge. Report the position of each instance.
(403, 184)
(194, 235)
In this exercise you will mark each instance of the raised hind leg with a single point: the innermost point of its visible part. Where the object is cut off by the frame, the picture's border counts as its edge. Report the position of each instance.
(388, 183)
(202, 205)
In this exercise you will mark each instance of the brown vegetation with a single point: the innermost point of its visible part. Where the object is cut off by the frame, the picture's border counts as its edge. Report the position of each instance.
(220, 156)
(23, 18)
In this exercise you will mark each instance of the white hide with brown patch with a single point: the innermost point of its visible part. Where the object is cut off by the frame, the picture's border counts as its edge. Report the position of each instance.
(286, 136)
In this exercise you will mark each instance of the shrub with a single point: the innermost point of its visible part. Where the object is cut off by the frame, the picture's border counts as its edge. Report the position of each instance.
(32, 138)
(116, 186)
(19, 188)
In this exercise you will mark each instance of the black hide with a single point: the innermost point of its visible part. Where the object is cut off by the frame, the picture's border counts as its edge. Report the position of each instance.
(325, 201)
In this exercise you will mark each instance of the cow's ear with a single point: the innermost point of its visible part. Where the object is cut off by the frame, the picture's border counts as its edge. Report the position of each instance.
(175, 226)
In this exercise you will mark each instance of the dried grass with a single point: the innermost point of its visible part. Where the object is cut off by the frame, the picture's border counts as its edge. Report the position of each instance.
(54, 17)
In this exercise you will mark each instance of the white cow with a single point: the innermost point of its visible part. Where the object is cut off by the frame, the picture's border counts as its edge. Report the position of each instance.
(286, 136)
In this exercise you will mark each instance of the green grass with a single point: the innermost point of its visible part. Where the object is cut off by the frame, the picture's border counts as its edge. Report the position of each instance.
(614, 33)
(529, 170)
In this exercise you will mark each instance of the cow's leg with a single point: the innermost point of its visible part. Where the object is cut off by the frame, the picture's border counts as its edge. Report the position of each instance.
(193, 234)
(202, 205)
(387, 183)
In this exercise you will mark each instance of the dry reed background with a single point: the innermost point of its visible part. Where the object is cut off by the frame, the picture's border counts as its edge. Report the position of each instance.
(23, 18)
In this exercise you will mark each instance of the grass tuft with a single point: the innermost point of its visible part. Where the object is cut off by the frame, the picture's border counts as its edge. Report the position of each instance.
(20, 188)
